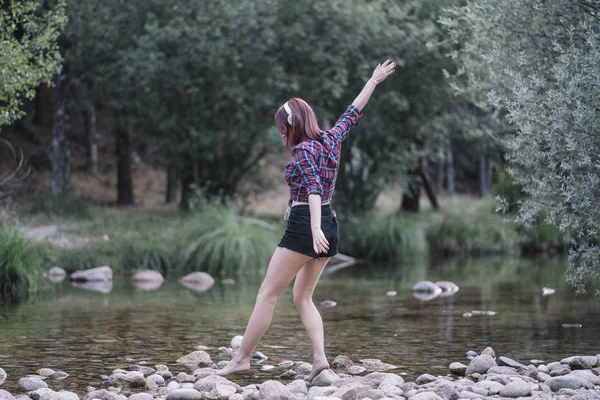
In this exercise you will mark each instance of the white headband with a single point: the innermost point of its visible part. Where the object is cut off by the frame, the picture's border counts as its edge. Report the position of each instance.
(289, 111)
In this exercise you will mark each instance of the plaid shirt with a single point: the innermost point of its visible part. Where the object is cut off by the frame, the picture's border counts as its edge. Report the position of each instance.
(315, 163)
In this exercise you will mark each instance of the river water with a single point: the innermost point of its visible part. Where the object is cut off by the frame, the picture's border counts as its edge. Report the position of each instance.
(88, 334)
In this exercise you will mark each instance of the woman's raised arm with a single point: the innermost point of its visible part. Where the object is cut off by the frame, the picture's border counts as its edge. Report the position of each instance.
(379, 75)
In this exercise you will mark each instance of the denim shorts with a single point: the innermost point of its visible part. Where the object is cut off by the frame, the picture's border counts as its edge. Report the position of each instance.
(298, 235)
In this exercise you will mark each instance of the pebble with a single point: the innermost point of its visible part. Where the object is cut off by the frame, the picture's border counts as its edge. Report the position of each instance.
(471, 354)
(391, 293)
(260, 356)
(328, 303)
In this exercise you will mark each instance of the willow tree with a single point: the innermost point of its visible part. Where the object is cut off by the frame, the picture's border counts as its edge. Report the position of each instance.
(539, 62)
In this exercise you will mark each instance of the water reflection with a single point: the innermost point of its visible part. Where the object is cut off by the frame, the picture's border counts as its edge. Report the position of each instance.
(89, 333)
(102, 287)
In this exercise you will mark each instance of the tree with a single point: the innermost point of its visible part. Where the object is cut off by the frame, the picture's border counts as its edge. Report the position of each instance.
(28, 55)
(540, 64)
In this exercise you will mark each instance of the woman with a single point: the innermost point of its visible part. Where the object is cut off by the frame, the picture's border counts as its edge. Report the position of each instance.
(311, 237)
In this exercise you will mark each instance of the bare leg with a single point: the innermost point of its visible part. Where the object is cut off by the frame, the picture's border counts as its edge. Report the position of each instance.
(304, 287)
(283, 267)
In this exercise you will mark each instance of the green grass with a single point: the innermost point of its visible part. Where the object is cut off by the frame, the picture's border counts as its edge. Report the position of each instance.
(20, 264)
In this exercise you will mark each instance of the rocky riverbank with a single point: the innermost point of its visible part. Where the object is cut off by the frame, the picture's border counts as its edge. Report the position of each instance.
(484, 377)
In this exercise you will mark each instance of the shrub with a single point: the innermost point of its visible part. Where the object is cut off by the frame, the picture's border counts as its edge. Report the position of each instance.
(63, 206)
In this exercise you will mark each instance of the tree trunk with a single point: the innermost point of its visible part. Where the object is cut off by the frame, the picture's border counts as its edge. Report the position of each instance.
(38, 118)
(422, 171)
(171, 184)
(485, 181)
(89, 120)
(186, 191)
(439, 184)
(412, 194)
(450, 171)
(123, 153)
(60, 142)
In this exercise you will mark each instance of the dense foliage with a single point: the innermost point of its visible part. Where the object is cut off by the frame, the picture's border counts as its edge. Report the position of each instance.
(28, 51)
(539, 62)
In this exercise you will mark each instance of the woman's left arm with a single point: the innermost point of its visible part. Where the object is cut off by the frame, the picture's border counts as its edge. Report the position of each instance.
(320, 243)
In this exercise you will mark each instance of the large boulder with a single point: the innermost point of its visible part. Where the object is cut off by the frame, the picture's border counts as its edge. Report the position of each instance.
(4, 395)
(480, 365)
(99, 274)
(196, 359)
(198, 281)
(273, 390)
(568, 381)
(184, 394)
(29, 384)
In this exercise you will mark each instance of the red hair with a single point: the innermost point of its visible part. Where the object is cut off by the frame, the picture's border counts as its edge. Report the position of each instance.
(304, 122)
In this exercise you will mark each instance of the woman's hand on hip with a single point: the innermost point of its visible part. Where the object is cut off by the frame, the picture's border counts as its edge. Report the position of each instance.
(320, 244)
(383, 71)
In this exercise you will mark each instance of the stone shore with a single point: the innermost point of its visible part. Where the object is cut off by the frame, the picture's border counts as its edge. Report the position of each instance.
(483, 377)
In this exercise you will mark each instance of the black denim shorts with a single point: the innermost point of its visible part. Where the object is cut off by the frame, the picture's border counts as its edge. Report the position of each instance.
(298, 235)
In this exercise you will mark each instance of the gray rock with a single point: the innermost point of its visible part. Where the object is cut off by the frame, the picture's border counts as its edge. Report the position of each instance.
(219, 392)
(560, 371)
(408, 386)
(183, 377)
(286, 364)
(184, 394)
(446, 391)
(391, 390)
(356, 370)
(141, 396)
(100, 274)
(161, 367)
(236, 396)
(298, 386)
(303, 368)
(142, 368)
(491, 387)
(516, 388)
(159, 380)
(480, 365)
(426, 396)
(390, 379)
(457, 368)
(135, 379)
(198, 281)
(581, 363)
(479, 390)
(567, 392)
(342, 362)
(468, 395)
(448, 288)
(151, 387)
(570, 382)
(509, 362)
(102, 394)
(426, 287)
(148, 276)
(542, 377)
(589, 375)
(66, 395)
(43, 394)
(587, 395)
(273, 390)
(60, 375)
(471, 354)
(4, 395)
(251, 394)
(2, 374)
(210, 382)
(30, 384)
(260, 356)
(425, 378)
(349, 391)
(593, 360)
(204, 372)
(502, 371)
(291, 374)
(325, 378)
(530, 371)
(45, 372)
(543, 368)
(329, 391)
(554, 365)
(196, 359)
(488, 351)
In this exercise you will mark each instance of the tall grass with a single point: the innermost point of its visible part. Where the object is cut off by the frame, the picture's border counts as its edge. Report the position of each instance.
(224, 243)
(20, 267)
(382, 238)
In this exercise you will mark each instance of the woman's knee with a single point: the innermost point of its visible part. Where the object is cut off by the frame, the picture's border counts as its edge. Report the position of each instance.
(267, 295)
(302, 299)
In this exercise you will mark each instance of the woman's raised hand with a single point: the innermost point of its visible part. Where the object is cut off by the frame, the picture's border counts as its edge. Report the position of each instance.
(383, 71)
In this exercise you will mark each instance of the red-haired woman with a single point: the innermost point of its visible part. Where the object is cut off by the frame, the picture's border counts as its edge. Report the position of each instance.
(311, 237)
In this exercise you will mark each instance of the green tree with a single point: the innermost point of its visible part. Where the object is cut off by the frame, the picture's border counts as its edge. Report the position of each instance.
(28, 55)
(540, 64)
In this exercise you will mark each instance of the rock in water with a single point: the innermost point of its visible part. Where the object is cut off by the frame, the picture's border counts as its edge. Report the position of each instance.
(31, 384)
(457, 368)
(328, 303)
(480, 365)
(425, 378)
(342, 362)
(569, 382)
(471, 354)
(509, 362)
(197, 281)
(516, 388)
(391, 293)
(488, 351)
(448, 288)
(273, 390)
(356, 370)
(148, 275)
(196, 359)
(547, 291)
(100, 274)
(57, 271)
(291, 374)
(325, 378)
(260, 356)
(236, 342)
(426, 287)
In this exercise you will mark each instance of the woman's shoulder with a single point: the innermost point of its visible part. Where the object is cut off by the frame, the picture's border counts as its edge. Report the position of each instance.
(312, 145)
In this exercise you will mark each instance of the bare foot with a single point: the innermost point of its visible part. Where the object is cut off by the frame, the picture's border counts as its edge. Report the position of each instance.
(318, 366)
(234, 366)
